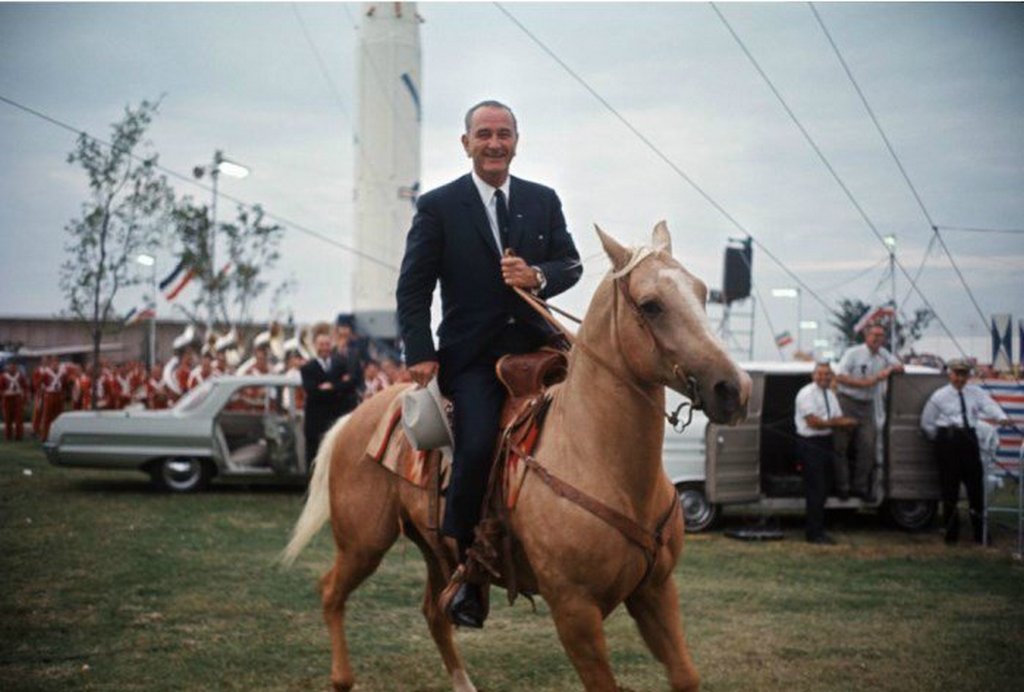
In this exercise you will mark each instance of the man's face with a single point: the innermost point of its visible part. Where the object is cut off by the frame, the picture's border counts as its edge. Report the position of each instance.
(323, 346)
(491, 143)
(875, 338)
(822, 376)
(958, 378)
(261, 355)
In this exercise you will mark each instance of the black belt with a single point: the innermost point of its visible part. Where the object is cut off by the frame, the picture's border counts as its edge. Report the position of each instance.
(954, 431)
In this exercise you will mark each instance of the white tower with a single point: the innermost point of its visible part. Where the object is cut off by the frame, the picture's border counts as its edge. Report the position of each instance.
(387, 156)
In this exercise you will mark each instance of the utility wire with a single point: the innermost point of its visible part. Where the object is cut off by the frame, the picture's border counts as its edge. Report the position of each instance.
(850, 280)
(657, 152)
(192, 181)
(831, 169)
(966, 229)
(899, 164)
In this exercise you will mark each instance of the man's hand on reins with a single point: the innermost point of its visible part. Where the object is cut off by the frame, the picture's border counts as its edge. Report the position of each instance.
(423, 373)
(516, 272)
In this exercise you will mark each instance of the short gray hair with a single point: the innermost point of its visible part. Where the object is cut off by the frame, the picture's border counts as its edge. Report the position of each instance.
(491, 104)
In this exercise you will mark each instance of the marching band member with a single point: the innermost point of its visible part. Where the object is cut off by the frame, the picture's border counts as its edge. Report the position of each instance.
(253, 398)
(53, 399)
(15, 387)
(157, 396)
(223, 349)
(204, 371)
(40, 376)
(175, 383)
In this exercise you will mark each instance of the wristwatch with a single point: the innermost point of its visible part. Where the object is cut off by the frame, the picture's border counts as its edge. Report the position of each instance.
(542, 281)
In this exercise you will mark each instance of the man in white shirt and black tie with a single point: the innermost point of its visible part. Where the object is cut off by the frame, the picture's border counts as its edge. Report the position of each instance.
(817, 413)
(949, 419)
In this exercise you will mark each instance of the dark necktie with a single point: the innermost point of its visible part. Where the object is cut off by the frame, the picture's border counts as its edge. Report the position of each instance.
(828, 409)
(502, 209)
(963, 408)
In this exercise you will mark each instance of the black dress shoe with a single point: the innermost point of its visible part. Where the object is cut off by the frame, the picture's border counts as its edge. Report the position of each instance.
(467, 609)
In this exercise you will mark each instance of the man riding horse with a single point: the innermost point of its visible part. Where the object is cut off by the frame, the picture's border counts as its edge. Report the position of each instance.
(480, 235)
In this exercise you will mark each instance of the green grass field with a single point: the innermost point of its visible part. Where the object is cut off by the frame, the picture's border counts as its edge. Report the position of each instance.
(106, 584)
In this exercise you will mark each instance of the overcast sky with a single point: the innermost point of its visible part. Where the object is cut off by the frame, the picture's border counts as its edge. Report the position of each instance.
(945, 80)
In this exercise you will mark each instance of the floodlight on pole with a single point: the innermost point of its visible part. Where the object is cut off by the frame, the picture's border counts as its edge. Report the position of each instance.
(793, 292)
(808, 324)
(232, 169)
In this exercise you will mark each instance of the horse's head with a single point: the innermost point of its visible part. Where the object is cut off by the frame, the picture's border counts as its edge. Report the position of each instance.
(663, 332)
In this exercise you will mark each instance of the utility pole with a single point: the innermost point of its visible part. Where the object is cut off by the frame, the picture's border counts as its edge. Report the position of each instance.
(890, 242)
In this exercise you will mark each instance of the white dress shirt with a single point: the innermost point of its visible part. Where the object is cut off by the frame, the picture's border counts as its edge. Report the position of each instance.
(943, 409)
(860, 362)
(811, 401)
(487, 197)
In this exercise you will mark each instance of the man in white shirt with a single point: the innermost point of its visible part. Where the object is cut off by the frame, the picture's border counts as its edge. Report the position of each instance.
(862, 369)
(949, 419)
(817, 413)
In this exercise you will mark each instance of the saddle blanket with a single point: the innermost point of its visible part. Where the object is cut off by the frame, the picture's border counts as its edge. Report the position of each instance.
(389, 447)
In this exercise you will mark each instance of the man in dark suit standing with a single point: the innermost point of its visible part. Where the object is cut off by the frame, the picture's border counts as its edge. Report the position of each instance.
(480, 235)
(332, 390)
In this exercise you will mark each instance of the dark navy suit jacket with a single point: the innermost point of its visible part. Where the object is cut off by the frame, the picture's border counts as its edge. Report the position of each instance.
(451, 240)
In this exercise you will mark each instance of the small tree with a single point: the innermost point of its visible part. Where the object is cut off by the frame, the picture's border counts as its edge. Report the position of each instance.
(128, 200)
(252, 250)
(908, 329)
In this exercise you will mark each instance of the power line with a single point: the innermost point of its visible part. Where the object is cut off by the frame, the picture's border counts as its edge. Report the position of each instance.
(850, 280)
(192, 181)
(966, 229)
(657, 152)
(896, 159)
(830, 168)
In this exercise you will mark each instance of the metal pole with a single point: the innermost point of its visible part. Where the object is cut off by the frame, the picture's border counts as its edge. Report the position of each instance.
(892, 275)
(152, 320)
(799, 319)
(218, 156)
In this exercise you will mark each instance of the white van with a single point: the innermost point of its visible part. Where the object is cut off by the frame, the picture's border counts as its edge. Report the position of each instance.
(753, 464)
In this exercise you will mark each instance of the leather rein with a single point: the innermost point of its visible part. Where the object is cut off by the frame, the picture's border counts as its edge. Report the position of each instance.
(649, 541)
(621, 279)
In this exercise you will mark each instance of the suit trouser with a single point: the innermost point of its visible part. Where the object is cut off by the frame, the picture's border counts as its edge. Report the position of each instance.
(477, 396)
(14, 417)
(815, 454)
(956, 451)
(864, 442)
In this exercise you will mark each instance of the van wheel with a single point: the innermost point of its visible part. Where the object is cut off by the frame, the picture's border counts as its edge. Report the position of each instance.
(910, 515)
(698, 514)
(181, 474)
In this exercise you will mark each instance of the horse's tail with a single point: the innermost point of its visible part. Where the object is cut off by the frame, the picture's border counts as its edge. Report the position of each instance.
(318, 501)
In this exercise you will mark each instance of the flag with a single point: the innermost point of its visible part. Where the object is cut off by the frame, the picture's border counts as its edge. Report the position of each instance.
(136, 315)
(783, 339)
(174, 282)
(873, 315)
(1002, 346)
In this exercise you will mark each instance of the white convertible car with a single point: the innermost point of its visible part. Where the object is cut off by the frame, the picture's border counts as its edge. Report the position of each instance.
(233, 428)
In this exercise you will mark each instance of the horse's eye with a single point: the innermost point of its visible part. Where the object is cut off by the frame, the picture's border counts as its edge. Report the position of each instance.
(651, 308)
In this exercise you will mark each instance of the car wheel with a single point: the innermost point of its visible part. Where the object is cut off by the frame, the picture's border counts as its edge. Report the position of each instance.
(698, 514)
(911, 515)
(182, 474)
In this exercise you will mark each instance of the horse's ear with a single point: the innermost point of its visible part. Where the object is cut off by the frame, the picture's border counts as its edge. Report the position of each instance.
(616, 253)
(661, 239)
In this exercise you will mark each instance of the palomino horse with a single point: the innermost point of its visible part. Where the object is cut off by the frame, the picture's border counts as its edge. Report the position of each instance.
(601, 435)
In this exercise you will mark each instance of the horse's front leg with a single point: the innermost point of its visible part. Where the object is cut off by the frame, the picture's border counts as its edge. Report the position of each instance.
(655, 608)
(580, 628)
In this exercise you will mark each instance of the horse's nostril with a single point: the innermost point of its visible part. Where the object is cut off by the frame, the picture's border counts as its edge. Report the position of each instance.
(728, 395)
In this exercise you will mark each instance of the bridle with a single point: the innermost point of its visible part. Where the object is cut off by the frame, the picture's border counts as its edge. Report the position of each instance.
(620, 277)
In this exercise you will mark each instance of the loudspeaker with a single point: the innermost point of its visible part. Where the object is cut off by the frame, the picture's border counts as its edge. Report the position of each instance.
(736, 282)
